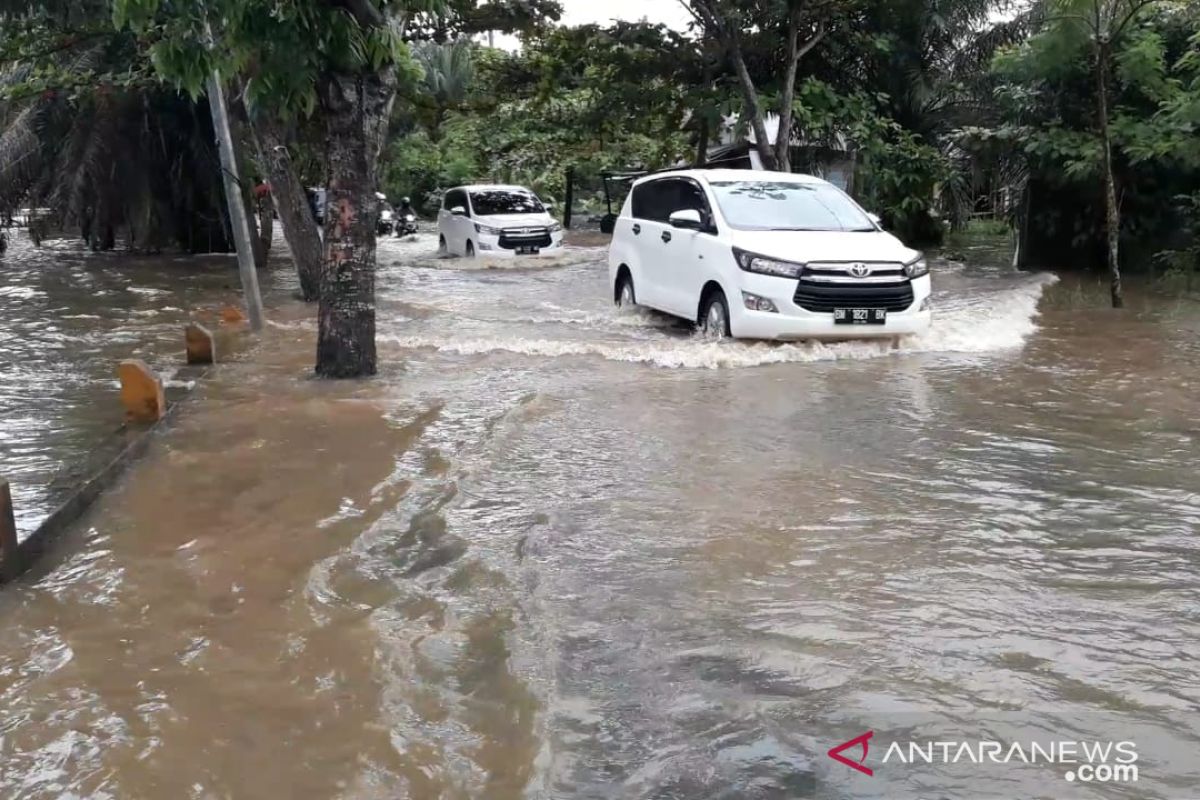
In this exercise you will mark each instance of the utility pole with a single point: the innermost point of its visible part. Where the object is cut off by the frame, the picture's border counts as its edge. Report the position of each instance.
(233, 199)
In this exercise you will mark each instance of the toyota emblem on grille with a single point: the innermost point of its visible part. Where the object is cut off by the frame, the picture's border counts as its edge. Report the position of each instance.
(860, 270)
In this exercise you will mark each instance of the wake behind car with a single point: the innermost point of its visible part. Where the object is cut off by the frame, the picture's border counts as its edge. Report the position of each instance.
(765, 255)
(504, 221)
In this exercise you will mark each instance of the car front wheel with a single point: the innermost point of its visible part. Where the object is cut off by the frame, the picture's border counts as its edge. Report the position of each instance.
(470, 249)
(714, 319)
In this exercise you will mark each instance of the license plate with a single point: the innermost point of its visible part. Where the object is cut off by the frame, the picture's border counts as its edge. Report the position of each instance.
(860, 316)
(528, 251)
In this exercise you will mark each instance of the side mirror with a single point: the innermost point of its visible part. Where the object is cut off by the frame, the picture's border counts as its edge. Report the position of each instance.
(459, 211)
(687, 219)
(875, 218)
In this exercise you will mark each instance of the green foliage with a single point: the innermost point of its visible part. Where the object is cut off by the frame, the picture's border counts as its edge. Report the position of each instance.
(281, 49)
(576, 98)
(1047, 102)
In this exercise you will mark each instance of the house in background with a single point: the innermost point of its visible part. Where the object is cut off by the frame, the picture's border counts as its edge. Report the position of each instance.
(834, 160)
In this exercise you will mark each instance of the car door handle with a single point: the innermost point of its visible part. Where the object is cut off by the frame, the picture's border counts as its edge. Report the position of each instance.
(666, 236)
(637, 229)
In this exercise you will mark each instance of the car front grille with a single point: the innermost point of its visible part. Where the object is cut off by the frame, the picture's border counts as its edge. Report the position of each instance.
(825, 297)
(512, 238)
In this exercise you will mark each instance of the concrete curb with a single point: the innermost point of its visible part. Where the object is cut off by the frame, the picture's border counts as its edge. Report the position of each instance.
(76, 488)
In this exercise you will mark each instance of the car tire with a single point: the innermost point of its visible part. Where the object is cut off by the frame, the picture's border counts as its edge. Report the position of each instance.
(443, 249)
(625, 295)
(470, 249)
(714, 318)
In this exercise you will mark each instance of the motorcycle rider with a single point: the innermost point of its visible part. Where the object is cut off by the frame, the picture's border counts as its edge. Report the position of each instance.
(406, 218)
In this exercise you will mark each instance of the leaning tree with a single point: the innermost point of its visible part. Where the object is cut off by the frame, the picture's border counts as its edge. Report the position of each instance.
(801, 24)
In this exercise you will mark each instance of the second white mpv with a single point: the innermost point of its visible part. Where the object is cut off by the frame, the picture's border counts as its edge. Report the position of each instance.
(492, 221)
(765, 255)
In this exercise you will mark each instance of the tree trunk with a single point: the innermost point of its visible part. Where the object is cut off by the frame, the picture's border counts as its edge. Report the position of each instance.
(702, 144)
(787, 97)
(1112, 214)
(291, 202)
(753, 107)
(256, 243)
(266, 225)
(357, 108)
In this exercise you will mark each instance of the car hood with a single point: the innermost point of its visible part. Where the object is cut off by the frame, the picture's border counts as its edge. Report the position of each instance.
(805, 246)
(515, 220)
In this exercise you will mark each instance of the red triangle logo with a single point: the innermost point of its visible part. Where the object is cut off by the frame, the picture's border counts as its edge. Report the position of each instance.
(836, 753)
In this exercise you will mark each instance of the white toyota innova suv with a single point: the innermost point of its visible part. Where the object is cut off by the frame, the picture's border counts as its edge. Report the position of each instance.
(765, 255)
(492, 221)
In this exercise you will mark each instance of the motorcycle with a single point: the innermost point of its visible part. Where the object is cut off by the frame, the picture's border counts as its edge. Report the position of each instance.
(387, 222)
(407, 225)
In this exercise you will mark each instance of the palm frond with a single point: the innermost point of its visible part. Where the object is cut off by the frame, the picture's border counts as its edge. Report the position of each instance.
(20, 157)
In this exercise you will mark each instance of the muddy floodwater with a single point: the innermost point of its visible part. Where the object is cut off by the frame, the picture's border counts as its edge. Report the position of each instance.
(557, 550)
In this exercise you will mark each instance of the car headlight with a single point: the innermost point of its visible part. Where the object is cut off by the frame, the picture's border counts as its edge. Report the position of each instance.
(555, 227)
(488, 230)
(751, 262)
(915, 269)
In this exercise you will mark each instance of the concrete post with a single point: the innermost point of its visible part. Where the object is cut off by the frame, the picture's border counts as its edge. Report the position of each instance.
(10, 564)
(201, 348)
(237, 208)
(141, 392)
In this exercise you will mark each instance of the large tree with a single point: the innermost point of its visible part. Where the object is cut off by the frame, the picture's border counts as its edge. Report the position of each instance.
(341, 58)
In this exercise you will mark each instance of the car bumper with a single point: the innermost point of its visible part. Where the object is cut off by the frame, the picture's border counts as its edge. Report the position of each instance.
(490, 246)
(794, 322)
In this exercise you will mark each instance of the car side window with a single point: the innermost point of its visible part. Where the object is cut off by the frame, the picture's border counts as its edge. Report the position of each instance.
(456, 198)
(690, 197)
(650, 201)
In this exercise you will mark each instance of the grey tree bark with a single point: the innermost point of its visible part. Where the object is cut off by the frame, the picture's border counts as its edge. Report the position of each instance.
(1112, 212)
(291, 203)
(357, 108)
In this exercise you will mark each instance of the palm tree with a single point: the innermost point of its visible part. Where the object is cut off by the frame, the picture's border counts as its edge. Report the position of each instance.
(101, 154)
(449, 70)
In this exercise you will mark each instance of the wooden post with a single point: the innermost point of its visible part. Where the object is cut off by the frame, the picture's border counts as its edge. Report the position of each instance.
(201, 348)
(233, 199)
(570, 201)
(10, 564)
(141, 392)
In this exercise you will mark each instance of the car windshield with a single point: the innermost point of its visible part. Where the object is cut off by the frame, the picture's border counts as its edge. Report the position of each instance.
(496, 202)
(771, 206)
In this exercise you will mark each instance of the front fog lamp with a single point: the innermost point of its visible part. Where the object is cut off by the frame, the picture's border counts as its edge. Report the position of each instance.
(756, 303)
(916, 269)
(927, 304)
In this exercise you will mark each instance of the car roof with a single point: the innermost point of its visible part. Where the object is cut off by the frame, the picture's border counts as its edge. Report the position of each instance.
(719, 175)
(491, 187)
